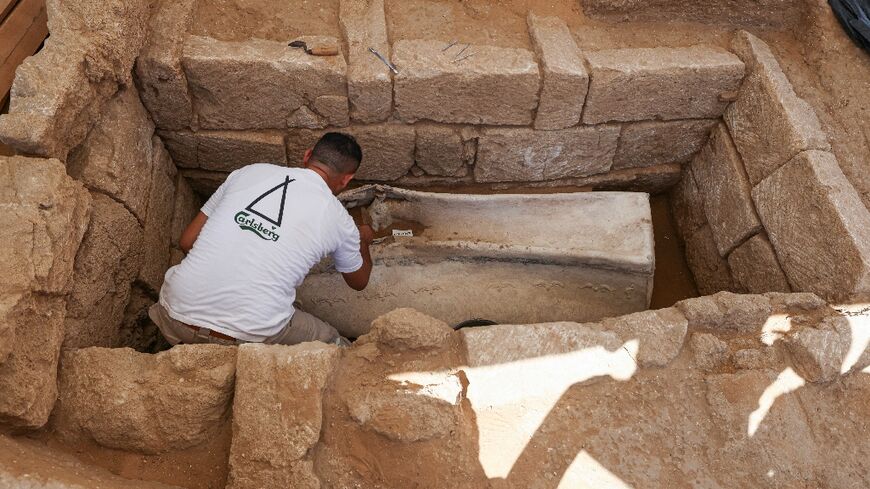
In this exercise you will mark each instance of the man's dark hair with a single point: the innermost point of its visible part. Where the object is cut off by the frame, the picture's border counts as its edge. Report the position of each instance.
(338, 151)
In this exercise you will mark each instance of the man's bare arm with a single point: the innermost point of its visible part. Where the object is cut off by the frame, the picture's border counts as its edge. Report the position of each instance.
(359, 279)
(191, 232)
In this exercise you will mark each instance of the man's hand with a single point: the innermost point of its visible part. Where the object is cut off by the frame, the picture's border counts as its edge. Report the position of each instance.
(366, 234)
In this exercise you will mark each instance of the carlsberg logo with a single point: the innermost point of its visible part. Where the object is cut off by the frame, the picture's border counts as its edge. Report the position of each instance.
(251, 224)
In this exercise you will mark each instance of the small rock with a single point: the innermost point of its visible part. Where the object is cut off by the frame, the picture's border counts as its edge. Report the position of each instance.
(818, 353)
(408, 329)
(756, 359)
(661, 334)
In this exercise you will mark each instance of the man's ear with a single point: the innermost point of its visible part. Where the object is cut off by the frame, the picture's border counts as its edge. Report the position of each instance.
(307, 156)
(346, 178)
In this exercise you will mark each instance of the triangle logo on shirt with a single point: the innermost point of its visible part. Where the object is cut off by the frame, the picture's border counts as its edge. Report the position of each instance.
(270, 205)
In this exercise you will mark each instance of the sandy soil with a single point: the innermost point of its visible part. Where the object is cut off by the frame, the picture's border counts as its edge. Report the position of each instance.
(238, 20)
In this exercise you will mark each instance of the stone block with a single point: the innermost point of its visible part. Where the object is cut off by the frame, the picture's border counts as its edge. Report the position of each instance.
(158, 222)
(108, 260)
(818, 353)
(660, 83)
(709, 269)
(494, 86)
(162, 82)
(333, 109)
(440, 150)
(408, 329)
(521, 154)
(204, 182)
(818, 226)
(770, 124)
(256, 84)
(755, 268)
(145, 403)
(224, 151)
(661, 334)
(270, 439)
(369, 85)
(187, 205)
(564, 76)
(116, 157)
(709, 352)
(651, 143)
(725, 190)
(726, 311)
(760, 13)
(687, 205)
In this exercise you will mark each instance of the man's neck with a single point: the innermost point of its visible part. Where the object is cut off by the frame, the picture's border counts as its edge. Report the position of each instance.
(323, 174)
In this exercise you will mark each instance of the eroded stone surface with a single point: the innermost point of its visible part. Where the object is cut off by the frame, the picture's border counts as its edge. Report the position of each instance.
(369, 86)
(224, 151)
(661, 334)
(440, 150)
(709, 351)
(818, 352)
(277, 413)
(158, 222)
(494, 86)
(659, 83)
(818, 226)
(769, 122)
(722, 183)
(743, 313)
(755, 268)
(687, 205)
(508, 154)
(564, 78)
(187, 205)
(145, 403)
(643, 144)
(408, 329)
(709, 269)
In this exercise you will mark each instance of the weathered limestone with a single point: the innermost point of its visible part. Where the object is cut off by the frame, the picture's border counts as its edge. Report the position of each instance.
(277, 413)
(661, 334)
(256, 84)
(187, 205)
(660, 83)
(687, 205)
(407, 329)
(158, 222)
(818, 353)
(722, 183)
(709, 351)
(107, 262)
(162, 81)
(332, 109)
(818, 226)
(145, 403)
(494, 86)
(650, 143)
(46, 214)
(709, 269)
(564, 77)
(726, 311)
(440, 150)
(770, 124)
(369, 86)
(521, 154)
(755, 268)
(224, 150)
(116, 157)
(763, 13)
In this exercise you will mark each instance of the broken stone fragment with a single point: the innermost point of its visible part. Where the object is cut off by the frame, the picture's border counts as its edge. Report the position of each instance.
(145, 403)
(333, 109)
(408, 329)
(709, 351)
(661, 334)
(277, 413)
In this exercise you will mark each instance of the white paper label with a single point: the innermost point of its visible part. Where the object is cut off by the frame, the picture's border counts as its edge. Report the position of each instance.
(404, 233)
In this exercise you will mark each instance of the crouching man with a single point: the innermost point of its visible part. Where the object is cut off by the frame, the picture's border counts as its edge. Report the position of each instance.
(253, 243)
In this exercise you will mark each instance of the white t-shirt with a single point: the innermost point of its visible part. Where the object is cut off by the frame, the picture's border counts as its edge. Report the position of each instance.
(267, 227)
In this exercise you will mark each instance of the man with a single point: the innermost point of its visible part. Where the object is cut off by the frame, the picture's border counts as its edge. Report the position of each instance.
(254, 242)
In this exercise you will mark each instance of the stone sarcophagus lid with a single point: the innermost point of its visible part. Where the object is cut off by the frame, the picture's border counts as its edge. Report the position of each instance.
(518, 258)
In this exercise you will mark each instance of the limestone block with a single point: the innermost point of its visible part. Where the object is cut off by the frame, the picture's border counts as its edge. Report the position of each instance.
(494, 86)
(46, 214)
(162, 81)
(440, 150)
(187, 205)
(755, 268)
(270, 440)
(408, 329)
(204, 182)
(726, 311)
(521, 154)
(722, 183)
(145, 403)
(660, 83)
(769, 122)
(564, 77)
(182, 147)
(256, 84)
(661, 334)
(652, 143)
(305, 117)
(761, 13)
(224, 150)
(818, 226)
(333, 109)
(107, 262)
(709, 351)
(709, 269)
(687, 205)
(818, 353)
(797, 301)
(158, 222)
(369, 86)
(116, 157)
(757, 358)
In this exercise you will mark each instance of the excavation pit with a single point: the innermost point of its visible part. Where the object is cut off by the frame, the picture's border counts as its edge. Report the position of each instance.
(715, 143)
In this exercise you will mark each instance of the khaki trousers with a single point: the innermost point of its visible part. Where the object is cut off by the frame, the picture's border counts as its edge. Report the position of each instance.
(301, 328)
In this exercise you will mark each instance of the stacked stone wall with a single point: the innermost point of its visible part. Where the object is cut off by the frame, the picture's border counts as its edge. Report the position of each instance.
(452, 114)
(764, 205)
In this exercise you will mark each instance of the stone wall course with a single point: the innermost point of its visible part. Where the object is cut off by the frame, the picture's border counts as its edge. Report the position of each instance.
(564, 77)
(440, 150)
(659, 83)
(369, 83)
(495, 85)
(224, 151)
(650, 143)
